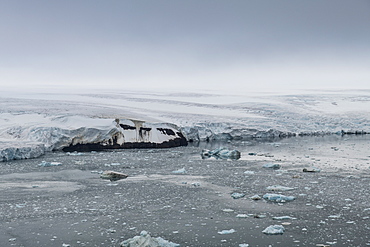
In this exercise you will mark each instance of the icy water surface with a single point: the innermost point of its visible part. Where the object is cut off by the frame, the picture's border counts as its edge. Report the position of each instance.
(330, 153)
(174, 194)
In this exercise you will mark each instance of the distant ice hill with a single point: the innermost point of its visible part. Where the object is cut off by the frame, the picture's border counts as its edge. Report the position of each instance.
(34, 123)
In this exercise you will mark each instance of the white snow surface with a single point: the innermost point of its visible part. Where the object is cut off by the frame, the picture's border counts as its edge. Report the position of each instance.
(56, 119)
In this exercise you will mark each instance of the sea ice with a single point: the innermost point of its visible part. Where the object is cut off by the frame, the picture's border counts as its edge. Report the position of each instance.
(242, 216)
(272, 166)
(180, 171)
(283, 218)
(278, 198)
(48, 164)
(237, 195)
(145, 240)
(221, 153)
(279, 188)
(274, 230)
(255, 197)
(226, 231)
(228, 210)
(311, 169)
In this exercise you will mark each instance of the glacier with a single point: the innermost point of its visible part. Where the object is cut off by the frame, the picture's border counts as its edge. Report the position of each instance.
(34, 123)
(31, 135)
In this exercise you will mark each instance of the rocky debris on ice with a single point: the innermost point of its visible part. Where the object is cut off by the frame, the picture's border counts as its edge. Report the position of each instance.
(221, 153)
(278, 198)
(113, 176)
(274, 230)
(145, 240)
(20, 150)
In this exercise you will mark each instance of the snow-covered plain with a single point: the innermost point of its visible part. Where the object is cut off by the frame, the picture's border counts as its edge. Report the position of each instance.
(56, 119)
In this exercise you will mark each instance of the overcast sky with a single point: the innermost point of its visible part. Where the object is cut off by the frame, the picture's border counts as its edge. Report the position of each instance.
(176, 44)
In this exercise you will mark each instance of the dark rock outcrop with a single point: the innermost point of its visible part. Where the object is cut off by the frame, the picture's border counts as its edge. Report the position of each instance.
(134, 134)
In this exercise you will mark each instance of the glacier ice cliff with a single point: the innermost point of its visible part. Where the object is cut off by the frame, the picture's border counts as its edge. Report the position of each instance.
(31, 138)
(84, 122)
(18, 151)
(227, 131)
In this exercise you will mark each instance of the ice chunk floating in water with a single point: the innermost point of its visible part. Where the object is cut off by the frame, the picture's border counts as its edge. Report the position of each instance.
(237, 195)
(272, 166)
(180, 171)
(48, 164)
(278, 188)
(226, 231)
(145, 240)
(221, 153)
(274, 230)
(278, 198)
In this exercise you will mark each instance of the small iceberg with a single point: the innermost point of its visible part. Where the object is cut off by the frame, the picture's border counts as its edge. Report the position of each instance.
(272, 166)
(113, 176)
(48, 164)
(278, 188)
(274, 230)
(283, 218)
(278, 198)
(226, 231)
(180, 171)
(221, 153)
(311, 169)
(237, 195)
(255, 197)
(146, 240)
